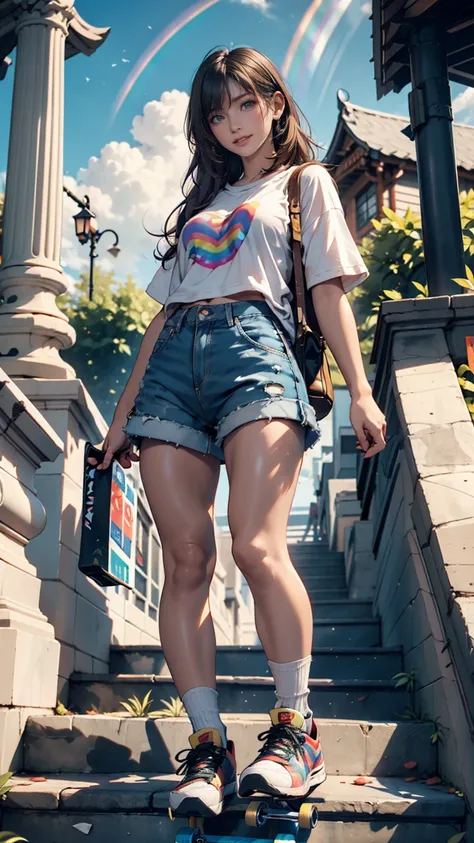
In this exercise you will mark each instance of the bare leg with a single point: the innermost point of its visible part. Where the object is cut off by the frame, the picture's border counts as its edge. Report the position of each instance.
(180, 485)
(263, 461)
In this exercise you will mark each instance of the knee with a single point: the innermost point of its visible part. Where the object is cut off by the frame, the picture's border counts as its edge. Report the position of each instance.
(188, 565)
(256, 558)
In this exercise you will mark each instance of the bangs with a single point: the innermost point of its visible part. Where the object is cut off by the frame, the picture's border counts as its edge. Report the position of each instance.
(215, 89)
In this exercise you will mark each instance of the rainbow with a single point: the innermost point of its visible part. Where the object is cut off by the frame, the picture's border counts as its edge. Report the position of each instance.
(161, 39)
(300, 32)
(321, 36)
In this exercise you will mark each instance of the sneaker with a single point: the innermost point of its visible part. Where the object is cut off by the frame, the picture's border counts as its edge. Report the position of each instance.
(290, 762)
(209, 775)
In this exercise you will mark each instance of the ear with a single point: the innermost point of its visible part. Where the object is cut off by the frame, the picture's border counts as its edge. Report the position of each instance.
(278, 104)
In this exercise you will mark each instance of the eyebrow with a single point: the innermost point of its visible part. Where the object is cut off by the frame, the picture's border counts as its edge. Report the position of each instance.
(235, 99)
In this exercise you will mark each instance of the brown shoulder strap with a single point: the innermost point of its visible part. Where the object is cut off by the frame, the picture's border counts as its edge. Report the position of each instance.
(294, 203)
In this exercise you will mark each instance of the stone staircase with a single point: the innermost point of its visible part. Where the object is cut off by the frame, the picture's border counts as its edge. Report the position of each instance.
(114, 773)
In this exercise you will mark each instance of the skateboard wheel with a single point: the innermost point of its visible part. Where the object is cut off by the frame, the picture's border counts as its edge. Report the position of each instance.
(308, 816)
(254, 816)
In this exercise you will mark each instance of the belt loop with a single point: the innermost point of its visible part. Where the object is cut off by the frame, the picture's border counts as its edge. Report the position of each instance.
(180, 320)
(229, 314)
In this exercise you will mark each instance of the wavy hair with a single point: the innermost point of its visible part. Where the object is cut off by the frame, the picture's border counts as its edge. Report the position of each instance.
(212, 166)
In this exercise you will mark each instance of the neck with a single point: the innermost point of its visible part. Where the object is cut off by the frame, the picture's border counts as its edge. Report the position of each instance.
(256, 165)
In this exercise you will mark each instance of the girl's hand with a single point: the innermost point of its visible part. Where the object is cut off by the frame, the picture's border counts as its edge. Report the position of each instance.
(369, 424)
(116, 444)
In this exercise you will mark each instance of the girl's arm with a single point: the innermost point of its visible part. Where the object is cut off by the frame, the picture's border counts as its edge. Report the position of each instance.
(338, 328)
(130, 392)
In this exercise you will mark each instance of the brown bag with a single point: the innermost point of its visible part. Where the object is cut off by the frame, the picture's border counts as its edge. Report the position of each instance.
(309, 346)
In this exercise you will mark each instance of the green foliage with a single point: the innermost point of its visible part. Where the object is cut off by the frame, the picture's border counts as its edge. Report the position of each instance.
(109, 331)
(4, 788)
(137, 708)
(466, 382)
(395, 259)
(408, 681)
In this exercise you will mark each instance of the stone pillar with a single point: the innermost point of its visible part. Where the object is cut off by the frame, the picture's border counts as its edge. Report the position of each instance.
(32, 328)
(29, 651)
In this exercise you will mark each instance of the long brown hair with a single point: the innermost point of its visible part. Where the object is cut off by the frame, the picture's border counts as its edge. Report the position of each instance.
(212, 166)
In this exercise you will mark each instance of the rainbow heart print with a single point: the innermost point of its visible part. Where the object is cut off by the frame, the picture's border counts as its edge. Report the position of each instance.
(212, 240)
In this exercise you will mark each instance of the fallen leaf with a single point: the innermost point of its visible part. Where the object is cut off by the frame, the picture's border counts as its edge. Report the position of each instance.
(84, 827)
(91, 712)
(361, 780)
(433, 780)
(361, 699)
(38, 779)
(452, 790)
(411, 779)
(410, 764)
(457, 837)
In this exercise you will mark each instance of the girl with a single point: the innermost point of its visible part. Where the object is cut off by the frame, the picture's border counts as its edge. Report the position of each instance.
(216, 381)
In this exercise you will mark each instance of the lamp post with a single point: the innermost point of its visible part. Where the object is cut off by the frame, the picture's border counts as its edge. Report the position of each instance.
(86, 231)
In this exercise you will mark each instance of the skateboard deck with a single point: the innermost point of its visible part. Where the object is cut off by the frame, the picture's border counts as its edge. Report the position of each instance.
(108, 523)
(297, 813)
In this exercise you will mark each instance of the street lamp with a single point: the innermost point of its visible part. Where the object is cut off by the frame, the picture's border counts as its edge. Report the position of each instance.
(86, 232)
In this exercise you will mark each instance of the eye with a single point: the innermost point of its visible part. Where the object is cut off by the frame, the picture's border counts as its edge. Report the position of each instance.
(248, 102)
(211, 119)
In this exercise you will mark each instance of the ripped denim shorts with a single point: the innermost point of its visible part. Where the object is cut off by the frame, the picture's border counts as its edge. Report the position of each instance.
(217, 367)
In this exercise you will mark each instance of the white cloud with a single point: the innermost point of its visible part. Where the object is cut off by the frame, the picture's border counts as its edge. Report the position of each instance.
(131, 186)
(366, 8)
(464, 102)
(263, 6)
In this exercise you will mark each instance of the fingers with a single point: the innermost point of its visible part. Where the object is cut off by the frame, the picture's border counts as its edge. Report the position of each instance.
(109, 455)
(127, 457)
(363, 442)
(377, 442)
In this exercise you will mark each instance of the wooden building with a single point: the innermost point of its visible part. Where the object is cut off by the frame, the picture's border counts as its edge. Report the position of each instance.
(374, 164)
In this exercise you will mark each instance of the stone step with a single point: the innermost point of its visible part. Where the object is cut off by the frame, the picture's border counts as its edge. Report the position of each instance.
(345, 632)
(327, 593)
(350, 699)
(334, 609)
(125, 808)
(234, 660)
(325, 581)
(104, 744)
(307, 569)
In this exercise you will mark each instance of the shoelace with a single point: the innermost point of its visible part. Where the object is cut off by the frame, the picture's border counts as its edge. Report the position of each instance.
(201, 762)
(282, 740)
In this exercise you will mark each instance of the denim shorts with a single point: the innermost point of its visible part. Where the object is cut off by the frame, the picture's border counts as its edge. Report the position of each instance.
(217, 367)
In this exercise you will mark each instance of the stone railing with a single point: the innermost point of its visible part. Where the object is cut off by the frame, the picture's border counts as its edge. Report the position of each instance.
(414, 547)
(29, 654)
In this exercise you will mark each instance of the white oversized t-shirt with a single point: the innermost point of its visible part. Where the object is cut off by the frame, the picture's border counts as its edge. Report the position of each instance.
(242, 242)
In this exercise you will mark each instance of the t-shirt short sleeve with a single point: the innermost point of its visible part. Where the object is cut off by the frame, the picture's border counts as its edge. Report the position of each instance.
(163, 282)
(329, 250)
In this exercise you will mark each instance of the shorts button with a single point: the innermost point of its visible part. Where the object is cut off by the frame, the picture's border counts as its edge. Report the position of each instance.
(203, 313)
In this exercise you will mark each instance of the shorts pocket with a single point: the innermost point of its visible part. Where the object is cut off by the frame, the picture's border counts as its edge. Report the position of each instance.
(166, 333)
(261, 333)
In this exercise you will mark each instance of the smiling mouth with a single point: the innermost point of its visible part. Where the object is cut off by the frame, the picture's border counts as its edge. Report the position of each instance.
(240, 140)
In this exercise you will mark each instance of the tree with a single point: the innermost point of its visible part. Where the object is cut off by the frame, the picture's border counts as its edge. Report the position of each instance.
(396, 262)
(109, 331)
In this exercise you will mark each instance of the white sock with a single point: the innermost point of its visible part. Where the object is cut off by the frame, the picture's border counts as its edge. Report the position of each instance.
(291, 686)
(201, 707)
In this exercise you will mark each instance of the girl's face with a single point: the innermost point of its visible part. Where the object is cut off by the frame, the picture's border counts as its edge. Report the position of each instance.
(245, 123)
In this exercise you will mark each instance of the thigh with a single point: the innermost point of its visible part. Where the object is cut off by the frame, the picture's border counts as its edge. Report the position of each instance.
(180, 485)
(263, 461)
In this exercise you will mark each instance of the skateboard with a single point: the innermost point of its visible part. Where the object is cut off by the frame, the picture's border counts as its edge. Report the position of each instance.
(108, 523)
(304, 816)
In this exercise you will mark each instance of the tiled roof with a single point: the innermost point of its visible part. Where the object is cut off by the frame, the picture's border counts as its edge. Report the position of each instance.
(381, 131)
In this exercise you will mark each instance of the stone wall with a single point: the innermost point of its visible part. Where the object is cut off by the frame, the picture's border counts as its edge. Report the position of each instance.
(419, 502)
(29, 652)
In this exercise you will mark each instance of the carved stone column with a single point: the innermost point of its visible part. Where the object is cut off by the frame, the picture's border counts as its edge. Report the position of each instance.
(32, 328)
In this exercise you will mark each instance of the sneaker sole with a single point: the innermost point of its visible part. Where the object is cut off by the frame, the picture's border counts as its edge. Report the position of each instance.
(191, 806)
(255, 783)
